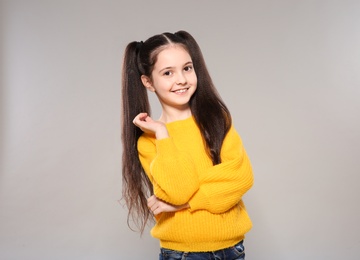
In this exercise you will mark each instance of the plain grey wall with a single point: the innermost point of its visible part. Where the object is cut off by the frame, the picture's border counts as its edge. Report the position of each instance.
(288, 70)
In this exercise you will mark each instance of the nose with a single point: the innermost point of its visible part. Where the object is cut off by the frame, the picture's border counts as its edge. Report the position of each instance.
(181, 79)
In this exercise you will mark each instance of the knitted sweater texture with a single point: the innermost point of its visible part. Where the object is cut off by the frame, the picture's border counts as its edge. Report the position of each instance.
(182, 172)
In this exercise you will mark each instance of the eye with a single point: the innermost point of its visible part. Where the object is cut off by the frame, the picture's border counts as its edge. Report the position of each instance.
(167, 73)
(188, 68)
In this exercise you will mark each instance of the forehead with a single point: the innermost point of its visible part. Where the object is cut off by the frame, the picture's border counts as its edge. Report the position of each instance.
(172, 55)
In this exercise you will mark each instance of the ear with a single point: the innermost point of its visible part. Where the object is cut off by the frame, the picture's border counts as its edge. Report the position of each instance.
(147, 83)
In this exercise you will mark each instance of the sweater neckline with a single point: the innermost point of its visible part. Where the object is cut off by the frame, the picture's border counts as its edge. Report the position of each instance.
(181, 121)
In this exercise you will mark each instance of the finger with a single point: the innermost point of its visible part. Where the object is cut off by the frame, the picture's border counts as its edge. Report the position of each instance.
(140, 117)
(147, 119)
(150, 204)
(151, 201)
(157, 211)
(143, 117)
(151, 198)
(154, 208)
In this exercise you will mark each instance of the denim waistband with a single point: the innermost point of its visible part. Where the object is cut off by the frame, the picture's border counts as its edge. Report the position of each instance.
(232, 252)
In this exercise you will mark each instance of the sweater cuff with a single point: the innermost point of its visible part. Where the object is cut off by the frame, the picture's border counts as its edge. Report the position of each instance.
(198, 201)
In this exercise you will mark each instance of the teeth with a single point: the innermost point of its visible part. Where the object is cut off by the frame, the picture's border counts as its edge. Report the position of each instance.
(181, 90)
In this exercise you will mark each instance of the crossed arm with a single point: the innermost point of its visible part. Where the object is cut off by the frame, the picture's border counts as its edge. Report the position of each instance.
(158, 206)
(217, 189)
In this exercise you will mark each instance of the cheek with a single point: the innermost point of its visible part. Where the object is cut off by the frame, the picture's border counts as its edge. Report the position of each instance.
(161, 84)
(194, 80)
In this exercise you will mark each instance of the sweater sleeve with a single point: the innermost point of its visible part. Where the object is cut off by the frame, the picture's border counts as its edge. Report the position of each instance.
(171, 171)
(223, 185)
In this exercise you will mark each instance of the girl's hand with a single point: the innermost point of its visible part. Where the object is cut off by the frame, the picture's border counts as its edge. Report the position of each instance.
(158, 206)
(148, 125)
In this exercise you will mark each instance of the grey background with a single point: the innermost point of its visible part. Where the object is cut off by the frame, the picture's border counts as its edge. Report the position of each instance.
(288, 70)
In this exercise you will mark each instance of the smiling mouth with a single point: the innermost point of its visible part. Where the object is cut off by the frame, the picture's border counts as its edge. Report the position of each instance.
(181, 90)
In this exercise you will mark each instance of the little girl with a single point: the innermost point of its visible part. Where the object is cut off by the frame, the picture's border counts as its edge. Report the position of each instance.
(189, 168)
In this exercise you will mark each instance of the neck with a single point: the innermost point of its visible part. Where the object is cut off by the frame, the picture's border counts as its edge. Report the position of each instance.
(170, 115)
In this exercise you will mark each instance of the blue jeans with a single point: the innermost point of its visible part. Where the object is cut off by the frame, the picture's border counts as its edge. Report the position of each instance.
(236, 252)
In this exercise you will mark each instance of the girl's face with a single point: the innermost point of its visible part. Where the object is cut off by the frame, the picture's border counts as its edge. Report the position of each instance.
(173, 78)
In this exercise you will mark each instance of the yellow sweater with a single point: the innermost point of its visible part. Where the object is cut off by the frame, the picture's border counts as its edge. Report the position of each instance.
(182, 172)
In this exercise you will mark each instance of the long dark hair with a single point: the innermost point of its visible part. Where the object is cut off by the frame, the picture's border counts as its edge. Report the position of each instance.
(210, 113)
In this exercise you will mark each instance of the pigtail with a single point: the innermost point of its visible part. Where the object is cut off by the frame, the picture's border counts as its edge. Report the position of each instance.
(136, 184)
(210, 112)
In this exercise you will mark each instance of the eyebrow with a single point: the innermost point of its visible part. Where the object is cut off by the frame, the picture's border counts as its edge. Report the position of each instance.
(166, 68)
